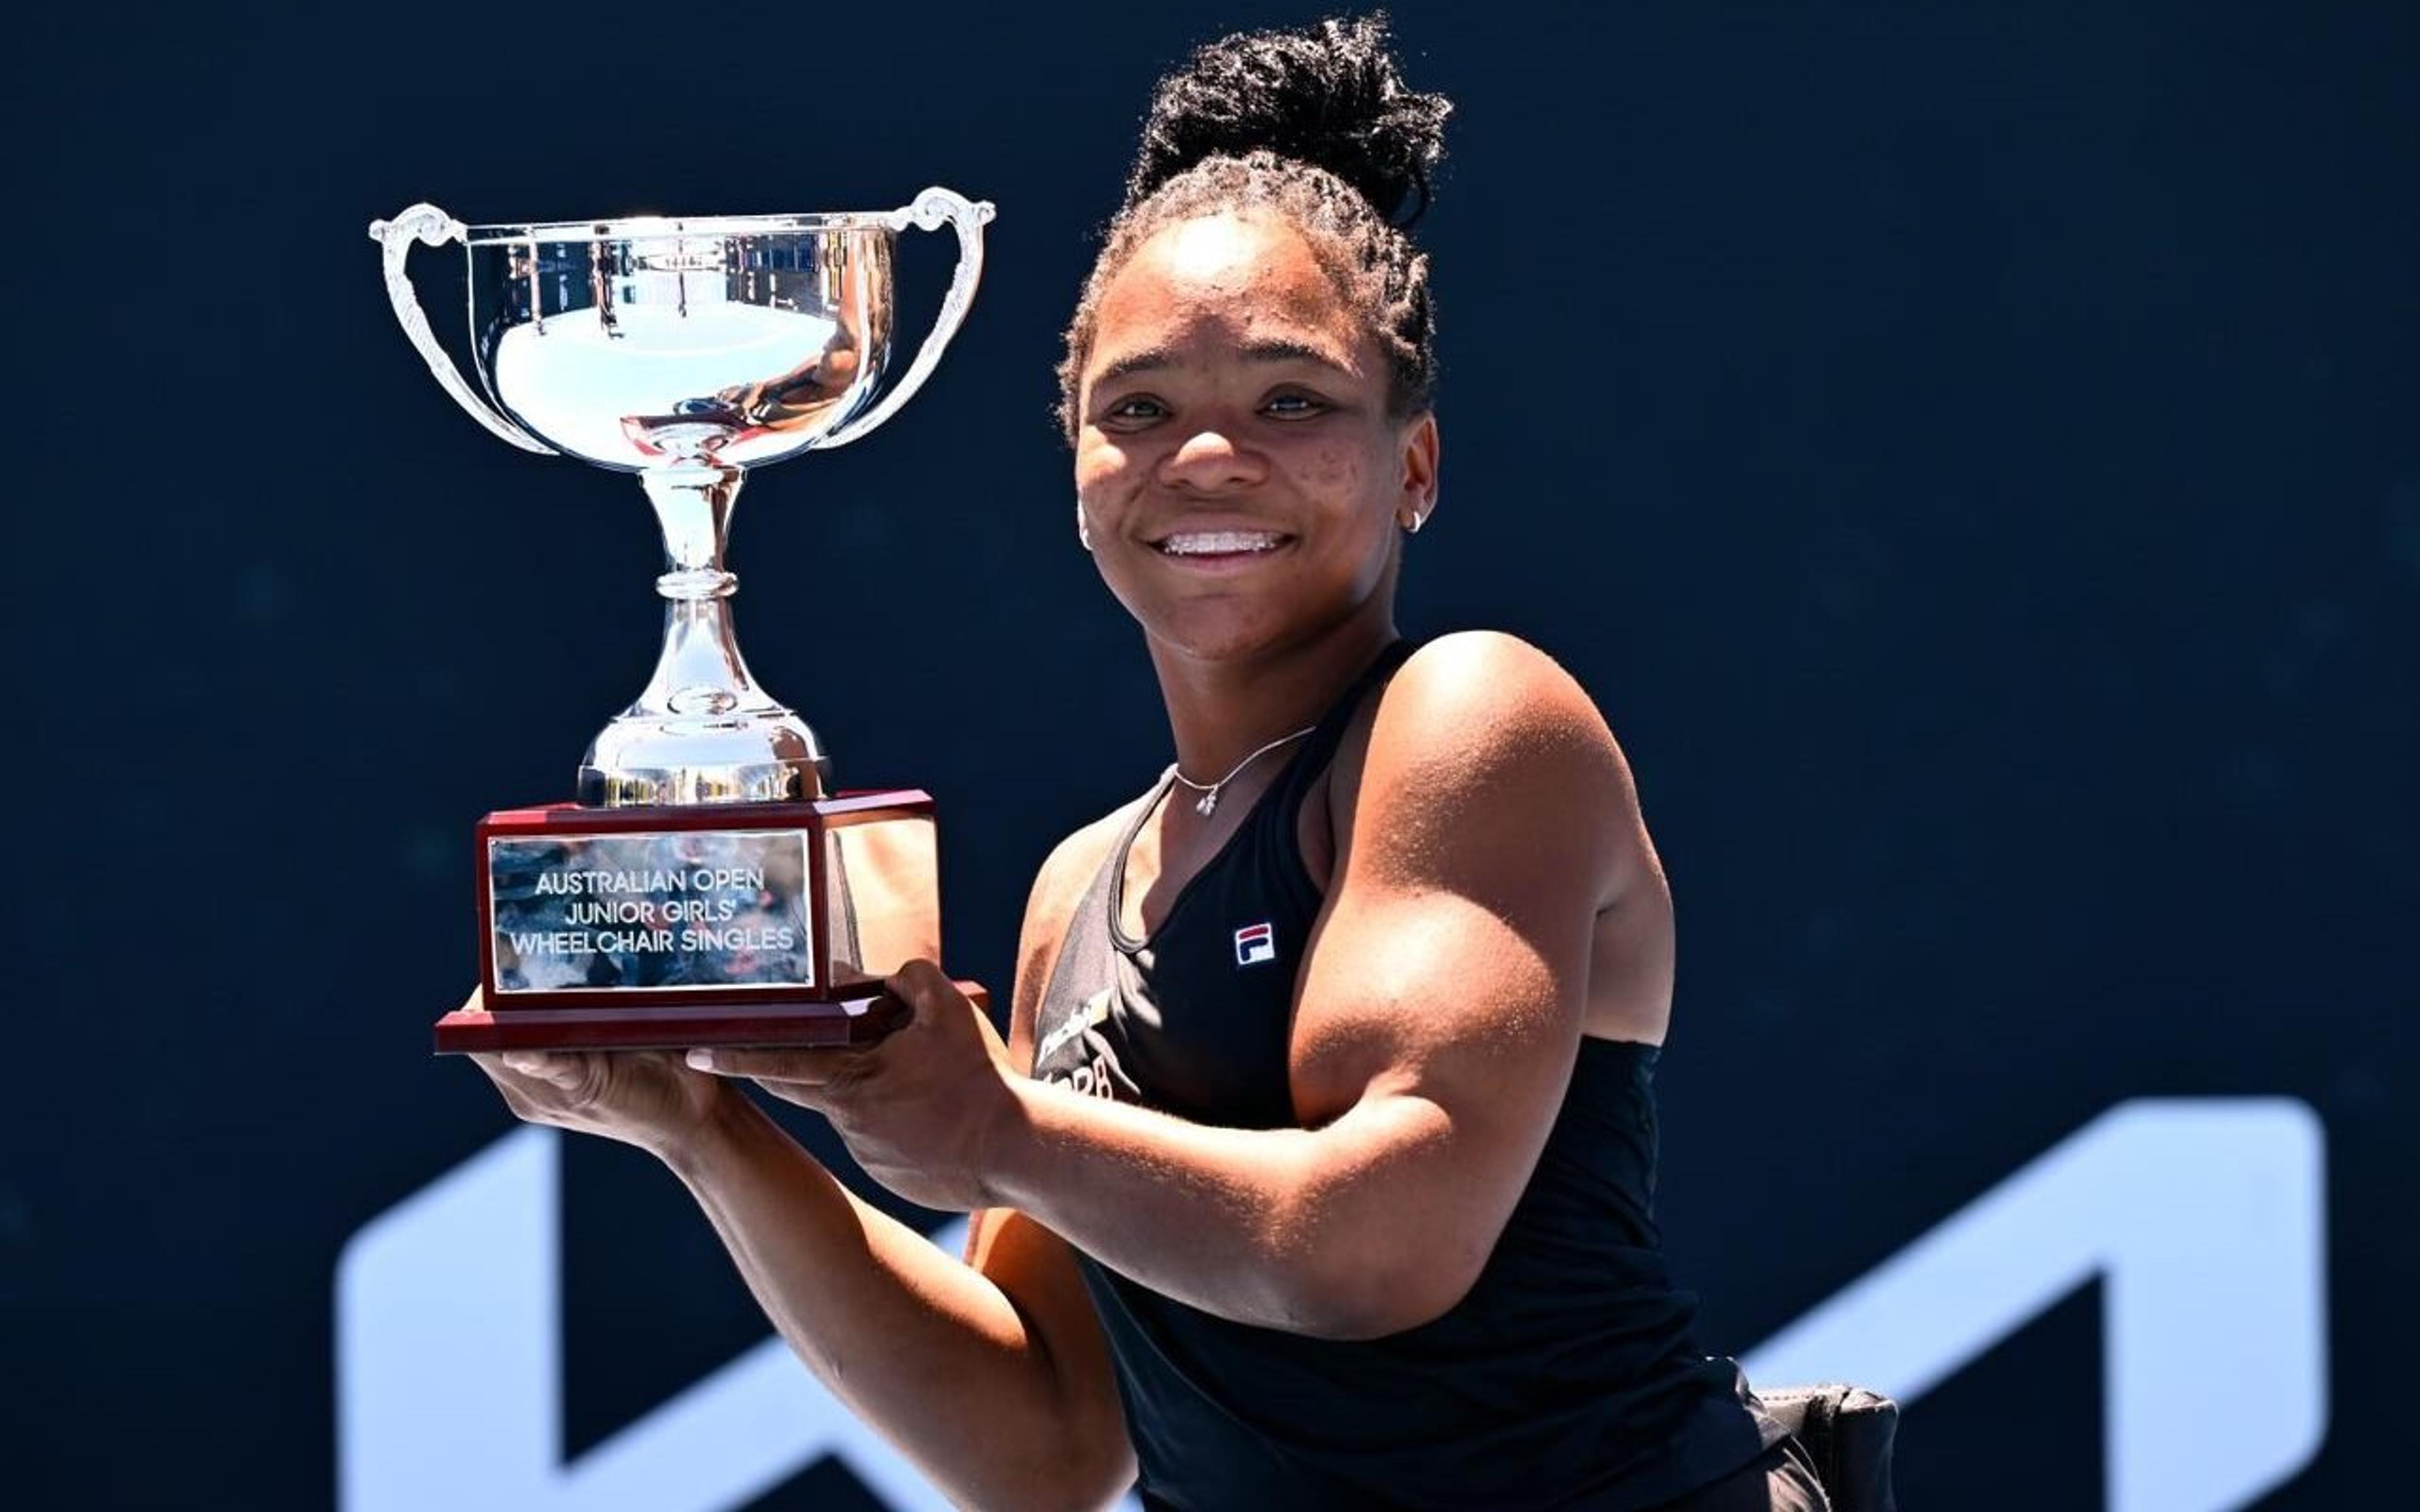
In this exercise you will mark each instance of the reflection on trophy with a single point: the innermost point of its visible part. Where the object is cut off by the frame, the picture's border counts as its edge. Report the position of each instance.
(709, 886)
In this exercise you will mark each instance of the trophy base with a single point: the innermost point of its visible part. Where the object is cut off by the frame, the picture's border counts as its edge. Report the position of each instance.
(859, 1020)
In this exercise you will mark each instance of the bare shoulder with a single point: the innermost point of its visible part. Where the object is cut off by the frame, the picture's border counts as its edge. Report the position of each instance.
(1483, 743)
(1494, 836)
(1071, 865)
(1490, 674)
(1472, 712)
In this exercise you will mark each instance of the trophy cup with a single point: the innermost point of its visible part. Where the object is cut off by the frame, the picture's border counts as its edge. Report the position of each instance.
(709, 886)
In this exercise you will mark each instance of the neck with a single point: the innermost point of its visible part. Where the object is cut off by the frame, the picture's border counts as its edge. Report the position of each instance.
(1221, 711)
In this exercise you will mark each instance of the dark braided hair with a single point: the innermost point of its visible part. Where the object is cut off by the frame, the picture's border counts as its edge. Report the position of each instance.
(1318, 126)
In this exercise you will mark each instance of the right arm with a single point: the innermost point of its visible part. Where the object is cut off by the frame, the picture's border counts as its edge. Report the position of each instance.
(989, 1374)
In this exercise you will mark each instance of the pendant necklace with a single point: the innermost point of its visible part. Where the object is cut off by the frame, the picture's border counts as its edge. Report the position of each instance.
(1208, 803)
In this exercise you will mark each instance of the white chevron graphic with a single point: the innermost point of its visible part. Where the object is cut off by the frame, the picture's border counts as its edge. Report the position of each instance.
(2202, 1217)
(2204, 1220)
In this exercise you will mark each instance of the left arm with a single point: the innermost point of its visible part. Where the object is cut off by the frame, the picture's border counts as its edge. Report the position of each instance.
(1435, 1031)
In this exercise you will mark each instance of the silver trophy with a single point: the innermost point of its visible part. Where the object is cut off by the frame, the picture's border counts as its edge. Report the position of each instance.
(707, 886)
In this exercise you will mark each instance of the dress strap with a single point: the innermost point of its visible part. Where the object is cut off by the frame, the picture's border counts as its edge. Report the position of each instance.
(1312, 757)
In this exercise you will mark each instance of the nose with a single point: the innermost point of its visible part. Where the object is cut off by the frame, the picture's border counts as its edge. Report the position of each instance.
(1210, 462)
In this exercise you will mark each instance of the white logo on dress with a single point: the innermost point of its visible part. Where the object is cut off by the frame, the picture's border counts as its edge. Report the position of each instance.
(1094, 1012)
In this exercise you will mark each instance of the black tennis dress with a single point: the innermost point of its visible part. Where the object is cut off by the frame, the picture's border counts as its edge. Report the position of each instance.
(1566, 1377)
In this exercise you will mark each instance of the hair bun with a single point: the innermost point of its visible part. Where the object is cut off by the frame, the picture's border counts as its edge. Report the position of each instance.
(1331, 97)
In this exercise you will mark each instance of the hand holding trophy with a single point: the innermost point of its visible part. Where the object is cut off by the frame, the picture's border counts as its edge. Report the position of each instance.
(708, 886)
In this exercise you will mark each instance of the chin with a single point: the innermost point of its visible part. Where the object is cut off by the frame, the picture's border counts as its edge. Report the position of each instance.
(1230, 630)
(1215, 632)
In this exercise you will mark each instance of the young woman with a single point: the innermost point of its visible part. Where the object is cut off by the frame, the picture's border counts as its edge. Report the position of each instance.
(1315, 1170)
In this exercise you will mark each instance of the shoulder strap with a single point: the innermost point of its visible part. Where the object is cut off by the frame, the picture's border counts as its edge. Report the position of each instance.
(1310, 758)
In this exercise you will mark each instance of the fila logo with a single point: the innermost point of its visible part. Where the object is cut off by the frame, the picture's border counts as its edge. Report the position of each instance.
(1255, 945)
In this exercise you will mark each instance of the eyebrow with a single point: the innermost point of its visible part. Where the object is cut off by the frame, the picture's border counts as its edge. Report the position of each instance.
(1152, 358)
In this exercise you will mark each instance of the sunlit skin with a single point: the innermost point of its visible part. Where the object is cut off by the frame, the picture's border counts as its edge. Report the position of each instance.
(1490, 896)
(1231, 386)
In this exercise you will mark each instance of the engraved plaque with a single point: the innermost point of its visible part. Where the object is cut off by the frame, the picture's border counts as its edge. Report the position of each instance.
(700, 908)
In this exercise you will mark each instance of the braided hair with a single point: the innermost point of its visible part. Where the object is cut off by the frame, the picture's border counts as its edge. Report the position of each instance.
(1318, 126)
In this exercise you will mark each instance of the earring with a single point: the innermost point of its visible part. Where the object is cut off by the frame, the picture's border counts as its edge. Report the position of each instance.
(1083, 531)
(1412, 526)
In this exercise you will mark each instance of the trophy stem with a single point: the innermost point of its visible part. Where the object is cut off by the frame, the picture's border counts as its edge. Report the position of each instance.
(693, 502)
(702, 732)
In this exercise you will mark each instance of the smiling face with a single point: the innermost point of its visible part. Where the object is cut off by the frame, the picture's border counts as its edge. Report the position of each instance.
(1238, 467)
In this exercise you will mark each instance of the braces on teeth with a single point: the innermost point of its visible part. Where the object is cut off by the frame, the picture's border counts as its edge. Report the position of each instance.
(1219, 543)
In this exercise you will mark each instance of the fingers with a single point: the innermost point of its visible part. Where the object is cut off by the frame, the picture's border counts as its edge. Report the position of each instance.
(936, 1004)
(527, 1078)
(563, 1071)
(802, 1068)
(494, 1070)
(925, 988)
(521, 1098)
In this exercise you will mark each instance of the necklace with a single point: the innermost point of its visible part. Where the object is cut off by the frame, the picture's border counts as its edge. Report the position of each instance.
(1208, 802)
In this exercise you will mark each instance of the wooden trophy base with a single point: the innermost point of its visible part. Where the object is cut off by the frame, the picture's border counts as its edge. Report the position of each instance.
(666, 928)
(848, 1021)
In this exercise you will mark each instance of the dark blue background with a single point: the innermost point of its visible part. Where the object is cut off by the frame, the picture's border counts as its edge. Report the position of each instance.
(1969, 452)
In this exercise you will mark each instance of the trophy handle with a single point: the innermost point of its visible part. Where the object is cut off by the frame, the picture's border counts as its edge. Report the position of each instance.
(433, 227)
(933, 208)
